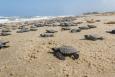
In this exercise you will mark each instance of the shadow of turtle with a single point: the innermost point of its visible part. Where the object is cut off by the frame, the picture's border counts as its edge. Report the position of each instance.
(4, 47)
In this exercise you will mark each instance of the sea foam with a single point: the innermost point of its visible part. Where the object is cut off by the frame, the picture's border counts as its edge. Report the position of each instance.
(26, 18)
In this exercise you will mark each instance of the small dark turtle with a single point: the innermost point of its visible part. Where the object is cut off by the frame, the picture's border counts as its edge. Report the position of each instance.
(23, 30)
(47, 35)
(33, 29)
(93, 37)
(91, 26)
(63, 51)
(65, 28)
(84, 27)
(3, 44)
(65, 24)
(75, 30)
(51, 31)
(39, 25)
(112, 32)
(33, 26)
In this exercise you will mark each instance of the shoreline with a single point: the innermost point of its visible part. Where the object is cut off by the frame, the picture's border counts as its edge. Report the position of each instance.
(14, 19)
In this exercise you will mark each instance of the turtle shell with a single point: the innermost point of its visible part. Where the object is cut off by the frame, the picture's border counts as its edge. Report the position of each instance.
(67, 50)
(47, 35)
(91, 26)
(84, 27)
(113, 31)
(33, 29)
(93, 37)
(75, 30)
(33, 26)
(51, 31)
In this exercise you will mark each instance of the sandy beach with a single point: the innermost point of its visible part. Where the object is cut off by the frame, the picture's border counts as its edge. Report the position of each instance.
(28, 54)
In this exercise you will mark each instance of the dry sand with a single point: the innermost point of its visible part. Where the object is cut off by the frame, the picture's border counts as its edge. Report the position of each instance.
(28, 54)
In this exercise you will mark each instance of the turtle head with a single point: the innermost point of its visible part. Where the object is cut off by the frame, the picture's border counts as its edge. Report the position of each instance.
(109, 31)
(55, 49)
(85, 36)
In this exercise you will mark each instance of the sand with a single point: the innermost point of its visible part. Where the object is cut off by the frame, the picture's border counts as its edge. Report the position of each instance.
(28, 54)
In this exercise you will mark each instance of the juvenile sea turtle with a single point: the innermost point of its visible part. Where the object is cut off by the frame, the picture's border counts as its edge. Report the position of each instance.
(93, 37)
(47, 35)
(23, 30)
(33, 29)
(51, 31)
(39, 25)
(3, 44)
(65, 24)
(33, 26)
(84, 27)
(63, 51)
(91, 26)
(112, 32)
(75, 30)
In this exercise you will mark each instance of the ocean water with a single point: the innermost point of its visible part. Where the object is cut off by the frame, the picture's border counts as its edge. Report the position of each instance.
(24, 18)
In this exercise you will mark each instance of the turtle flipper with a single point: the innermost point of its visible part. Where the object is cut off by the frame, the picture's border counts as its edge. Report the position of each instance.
(112, 32)
(108, 31)
(4, 43)
(75, 56)
(101, 38)
(59, 55)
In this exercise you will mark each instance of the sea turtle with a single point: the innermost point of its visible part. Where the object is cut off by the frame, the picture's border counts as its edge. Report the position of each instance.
(65, 24)
(93, 37)
(51, 31)
(75, 30)
(112, 32)
(39, 25)
(91, 26)
(23, 30)
(3, 44)
(33, 29)
(84, 27)
(33, 26)
(5, 33)
(63, 51)
(47, 35)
